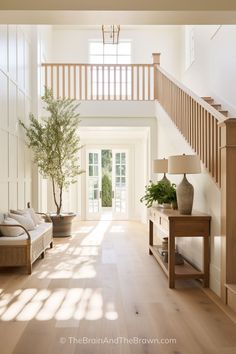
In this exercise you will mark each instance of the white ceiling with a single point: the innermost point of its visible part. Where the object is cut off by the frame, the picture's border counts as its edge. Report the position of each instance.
(119, 17)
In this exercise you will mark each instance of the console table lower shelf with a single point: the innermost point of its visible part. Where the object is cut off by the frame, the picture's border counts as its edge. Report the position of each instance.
(173, 225)
(183, 271)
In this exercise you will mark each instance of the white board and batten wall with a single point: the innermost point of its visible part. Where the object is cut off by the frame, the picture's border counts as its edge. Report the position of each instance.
(15, 104)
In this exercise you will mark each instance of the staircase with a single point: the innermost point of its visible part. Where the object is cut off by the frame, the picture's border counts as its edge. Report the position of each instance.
(215, 105)
(198, 119)
(212, 135)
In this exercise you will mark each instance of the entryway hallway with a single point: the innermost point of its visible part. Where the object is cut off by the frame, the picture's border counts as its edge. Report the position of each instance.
(101, 285)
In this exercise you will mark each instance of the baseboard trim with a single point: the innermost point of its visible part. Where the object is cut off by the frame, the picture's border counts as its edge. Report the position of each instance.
(216, 299)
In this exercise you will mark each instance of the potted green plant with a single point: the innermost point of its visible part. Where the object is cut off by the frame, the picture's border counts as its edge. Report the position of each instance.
(163, 192)
(55, 143)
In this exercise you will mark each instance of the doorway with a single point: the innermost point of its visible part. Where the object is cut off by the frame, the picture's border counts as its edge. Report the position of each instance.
(107, 184)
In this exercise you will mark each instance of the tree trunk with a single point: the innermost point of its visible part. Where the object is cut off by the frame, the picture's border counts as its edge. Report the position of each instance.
(60, 204)
(55, 198)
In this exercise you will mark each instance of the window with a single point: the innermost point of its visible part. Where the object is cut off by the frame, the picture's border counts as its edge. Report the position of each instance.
(110, 80)
(100, 53)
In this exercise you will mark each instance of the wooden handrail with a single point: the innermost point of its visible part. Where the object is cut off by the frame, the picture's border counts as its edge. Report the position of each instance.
(112, 82)
(220, 117)
(196, 120)
(90, 64)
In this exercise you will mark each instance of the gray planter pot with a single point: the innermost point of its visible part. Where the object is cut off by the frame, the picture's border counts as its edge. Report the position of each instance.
(62, 224)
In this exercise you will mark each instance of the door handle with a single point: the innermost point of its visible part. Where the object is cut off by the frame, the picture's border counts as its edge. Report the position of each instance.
(113, 195)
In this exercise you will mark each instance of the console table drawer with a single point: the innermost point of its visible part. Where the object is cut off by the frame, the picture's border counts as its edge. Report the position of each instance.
(160, 220)
(153, 214)
(163, 222)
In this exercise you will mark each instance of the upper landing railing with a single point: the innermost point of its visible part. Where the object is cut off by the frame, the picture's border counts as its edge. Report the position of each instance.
(195, 118)
(111, 82)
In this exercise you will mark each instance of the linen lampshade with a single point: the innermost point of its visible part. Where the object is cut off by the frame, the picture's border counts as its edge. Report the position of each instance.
(180, 164)
(160, 166)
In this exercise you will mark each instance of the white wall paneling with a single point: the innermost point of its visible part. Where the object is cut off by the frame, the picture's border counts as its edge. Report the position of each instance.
(15, 103)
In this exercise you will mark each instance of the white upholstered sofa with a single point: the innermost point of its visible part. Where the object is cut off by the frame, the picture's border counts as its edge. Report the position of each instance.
(23, 250)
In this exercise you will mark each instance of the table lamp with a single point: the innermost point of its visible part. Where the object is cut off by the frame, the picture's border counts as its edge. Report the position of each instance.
(160, 166)
(183, 164)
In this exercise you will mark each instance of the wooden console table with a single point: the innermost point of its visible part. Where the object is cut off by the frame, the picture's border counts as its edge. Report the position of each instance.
(171, 224)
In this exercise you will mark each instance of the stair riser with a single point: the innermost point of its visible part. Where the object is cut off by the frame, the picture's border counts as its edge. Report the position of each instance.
(231, 299)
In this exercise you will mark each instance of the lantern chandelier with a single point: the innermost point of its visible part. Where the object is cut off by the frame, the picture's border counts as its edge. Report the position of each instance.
(110, 34)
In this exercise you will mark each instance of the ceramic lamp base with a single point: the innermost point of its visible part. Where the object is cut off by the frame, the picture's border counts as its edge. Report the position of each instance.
(185, 194)
(165, 179)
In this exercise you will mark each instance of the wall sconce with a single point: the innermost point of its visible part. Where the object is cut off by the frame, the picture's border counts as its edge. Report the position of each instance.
(110, 34)
(183, 164)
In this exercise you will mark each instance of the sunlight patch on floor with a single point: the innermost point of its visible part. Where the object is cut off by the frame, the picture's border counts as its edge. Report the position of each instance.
(16, 307)
(68, 306)
(96, 237)
(83, 230)
(51, 305)
(94, 306)
(117, 229)
(60, 304)
(111, 313)
(84, 272)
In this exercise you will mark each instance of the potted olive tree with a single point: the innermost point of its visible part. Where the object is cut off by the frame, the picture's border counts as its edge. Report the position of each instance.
(55, 143)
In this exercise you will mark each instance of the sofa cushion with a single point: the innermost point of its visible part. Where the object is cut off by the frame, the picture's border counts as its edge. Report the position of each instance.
(22, 239)
(40, 230)
(36, 219)
(25, 220)
(9, 231)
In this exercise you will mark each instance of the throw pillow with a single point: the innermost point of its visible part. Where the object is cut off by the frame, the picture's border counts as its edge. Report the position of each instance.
(18, 211)
(11, 231)
(25, 220)
(36, 219)
(30, 212)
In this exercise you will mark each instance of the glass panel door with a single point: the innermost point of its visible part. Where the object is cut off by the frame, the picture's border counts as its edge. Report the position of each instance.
(93, 184)
(120, 185)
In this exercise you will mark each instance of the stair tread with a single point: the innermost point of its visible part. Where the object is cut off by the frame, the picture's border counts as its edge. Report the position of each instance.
(225, 113)
(216, 105)
(207, 98)
(231, 287)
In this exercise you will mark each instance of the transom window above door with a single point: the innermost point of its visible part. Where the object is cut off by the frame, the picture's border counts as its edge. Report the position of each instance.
(100, 53)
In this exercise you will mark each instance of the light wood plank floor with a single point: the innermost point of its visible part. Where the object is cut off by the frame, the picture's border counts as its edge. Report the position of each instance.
(101, 284)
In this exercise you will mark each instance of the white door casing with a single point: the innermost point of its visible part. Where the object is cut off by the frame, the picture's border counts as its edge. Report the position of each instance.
(120, 184)
(93, 184)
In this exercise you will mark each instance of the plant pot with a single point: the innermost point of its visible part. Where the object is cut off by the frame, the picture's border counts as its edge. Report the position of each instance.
(174, 205)
(62, 224)
(165, 205)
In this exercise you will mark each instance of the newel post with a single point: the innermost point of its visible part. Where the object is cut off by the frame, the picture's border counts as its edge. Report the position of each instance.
(156, 57)
(228, 205)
